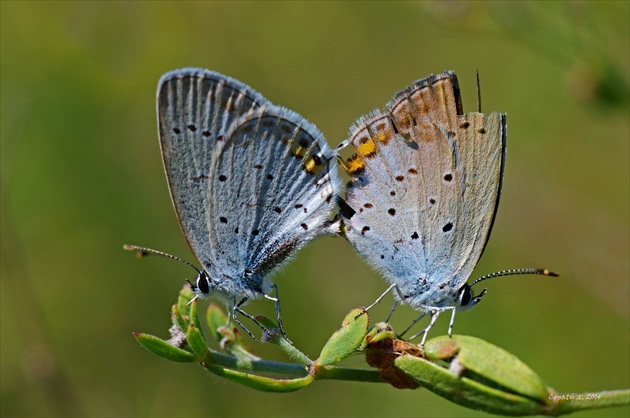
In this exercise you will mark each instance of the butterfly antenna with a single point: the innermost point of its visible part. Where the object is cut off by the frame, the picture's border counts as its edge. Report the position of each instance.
(513, 272)
(143, 251)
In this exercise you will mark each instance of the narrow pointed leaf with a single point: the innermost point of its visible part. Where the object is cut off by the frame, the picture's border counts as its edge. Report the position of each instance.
(178, 319)
(262, 383)
(227, 335)
(194, 318)
(196, 341)
(216, 319)
(163, 349)
(183, 301)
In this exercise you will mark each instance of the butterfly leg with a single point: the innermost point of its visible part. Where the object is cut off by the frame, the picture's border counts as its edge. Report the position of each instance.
(391, 311)
(414, 322)
(435, 314)
(380, 297)
(236, 308)
(450, 324)
(278, 317)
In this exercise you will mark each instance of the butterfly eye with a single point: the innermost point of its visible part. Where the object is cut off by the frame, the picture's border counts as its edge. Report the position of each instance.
(203, 283)
(465, 295)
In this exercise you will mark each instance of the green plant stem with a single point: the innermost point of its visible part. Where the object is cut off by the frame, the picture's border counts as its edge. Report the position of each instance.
(286, 346)
(293, 353)
(223, 360)
(343, 373)
(292, 370)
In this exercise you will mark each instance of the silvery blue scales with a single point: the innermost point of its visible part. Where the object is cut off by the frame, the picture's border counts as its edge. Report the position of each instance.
(424, 191)
(251, 182)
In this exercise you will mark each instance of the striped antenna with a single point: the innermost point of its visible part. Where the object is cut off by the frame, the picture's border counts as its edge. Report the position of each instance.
(513, 272)
(143, 251)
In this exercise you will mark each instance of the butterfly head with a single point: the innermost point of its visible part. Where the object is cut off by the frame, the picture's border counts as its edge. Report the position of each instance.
(466, 299)
(203, 285)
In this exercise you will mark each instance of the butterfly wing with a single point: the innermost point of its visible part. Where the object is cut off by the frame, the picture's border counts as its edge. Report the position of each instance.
(237, 167)
(196, 108)
(425, 184)
(271, 191)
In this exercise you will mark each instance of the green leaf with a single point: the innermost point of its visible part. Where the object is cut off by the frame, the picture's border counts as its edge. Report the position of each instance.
(178, 319)
(216, 319)
(183, 301)
(464, 391)
(262, 383)
(347, 339)
(196, 341)
(194, 318)
(163, 349)
(227, 335)
(490, 363)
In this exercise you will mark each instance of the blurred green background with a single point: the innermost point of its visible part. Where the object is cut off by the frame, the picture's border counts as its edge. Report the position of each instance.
(82, 174)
